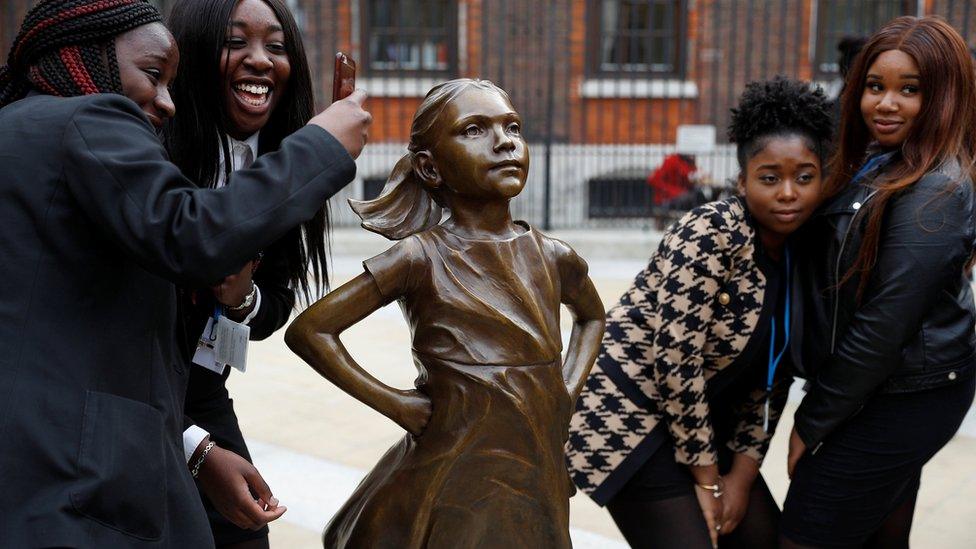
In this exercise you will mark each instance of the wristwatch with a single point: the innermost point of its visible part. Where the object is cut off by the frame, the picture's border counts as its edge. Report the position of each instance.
(248, 299)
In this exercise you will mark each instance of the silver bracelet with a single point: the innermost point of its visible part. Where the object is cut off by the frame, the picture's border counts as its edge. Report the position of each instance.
(248, 299)
(196, 466)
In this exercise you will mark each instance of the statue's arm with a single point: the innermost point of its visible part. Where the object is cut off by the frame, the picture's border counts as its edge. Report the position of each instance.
(581, 298)
(584, 342)
(314, 336)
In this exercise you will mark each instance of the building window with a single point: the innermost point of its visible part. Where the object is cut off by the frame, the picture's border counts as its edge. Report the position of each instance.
(636, 37)
(414, 37)
(837, 19)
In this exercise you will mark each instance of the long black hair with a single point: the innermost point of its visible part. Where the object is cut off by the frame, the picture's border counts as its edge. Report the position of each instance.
(197, 134)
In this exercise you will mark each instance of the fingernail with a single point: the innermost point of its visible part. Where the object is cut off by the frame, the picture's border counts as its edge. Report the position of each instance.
(274, 501)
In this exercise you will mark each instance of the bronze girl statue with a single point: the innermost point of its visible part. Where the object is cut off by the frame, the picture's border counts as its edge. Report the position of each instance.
(483, 463)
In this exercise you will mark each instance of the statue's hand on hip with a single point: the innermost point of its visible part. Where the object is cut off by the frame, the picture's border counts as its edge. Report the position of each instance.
(415, 410)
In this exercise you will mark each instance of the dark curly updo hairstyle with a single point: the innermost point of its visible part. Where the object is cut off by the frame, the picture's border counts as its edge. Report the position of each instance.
(67, 47)
(780, 108)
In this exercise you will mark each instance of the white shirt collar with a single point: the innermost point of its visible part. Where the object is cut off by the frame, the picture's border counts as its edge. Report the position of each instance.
(237, 149)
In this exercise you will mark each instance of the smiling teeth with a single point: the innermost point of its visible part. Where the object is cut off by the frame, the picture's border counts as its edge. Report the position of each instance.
(256, 89)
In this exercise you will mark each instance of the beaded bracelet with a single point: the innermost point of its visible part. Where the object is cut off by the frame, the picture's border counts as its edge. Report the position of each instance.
(203, 455)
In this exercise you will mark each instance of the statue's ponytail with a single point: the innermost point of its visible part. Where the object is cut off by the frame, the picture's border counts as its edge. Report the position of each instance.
(405, 207)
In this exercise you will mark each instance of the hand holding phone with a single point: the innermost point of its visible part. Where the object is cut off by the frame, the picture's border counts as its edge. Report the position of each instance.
(347, 121)
(344, 77)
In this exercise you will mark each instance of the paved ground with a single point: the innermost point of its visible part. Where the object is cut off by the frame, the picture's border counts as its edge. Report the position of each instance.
(313, 443)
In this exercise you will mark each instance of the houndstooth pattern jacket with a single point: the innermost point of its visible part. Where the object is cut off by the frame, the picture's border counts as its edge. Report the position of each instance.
(688, 315)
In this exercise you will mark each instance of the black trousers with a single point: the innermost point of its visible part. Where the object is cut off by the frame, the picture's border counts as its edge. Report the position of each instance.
(658, 507)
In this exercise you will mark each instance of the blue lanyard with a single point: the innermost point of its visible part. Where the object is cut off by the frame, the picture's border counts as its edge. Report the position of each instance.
(774, 357)
(870, 164)
(218, 310)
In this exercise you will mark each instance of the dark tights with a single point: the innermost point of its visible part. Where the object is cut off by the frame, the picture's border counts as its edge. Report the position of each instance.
(894, 531)
(678, 523)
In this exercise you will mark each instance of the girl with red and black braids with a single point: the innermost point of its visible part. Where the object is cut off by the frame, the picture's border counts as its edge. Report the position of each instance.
(68, 48)
(97, 227)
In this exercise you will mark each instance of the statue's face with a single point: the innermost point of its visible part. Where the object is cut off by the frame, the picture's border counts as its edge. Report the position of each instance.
(480, 152)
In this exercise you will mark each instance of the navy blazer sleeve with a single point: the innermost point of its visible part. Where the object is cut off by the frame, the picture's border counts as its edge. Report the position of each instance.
(118, 171)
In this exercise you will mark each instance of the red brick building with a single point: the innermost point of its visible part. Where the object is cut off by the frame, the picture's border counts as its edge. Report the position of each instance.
(603, 85)
(608, 71)
(618, 71)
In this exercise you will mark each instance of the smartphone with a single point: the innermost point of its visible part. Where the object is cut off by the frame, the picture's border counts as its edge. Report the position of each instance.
(344, 77)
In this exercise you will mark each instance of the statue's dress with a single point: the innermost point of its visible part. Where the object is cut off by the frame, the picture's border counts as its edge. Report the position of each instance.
(489, 470)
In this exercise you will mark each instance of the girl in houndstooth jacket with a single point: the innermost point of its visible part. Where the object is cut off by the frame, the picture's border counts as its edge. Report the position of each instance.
(694, 368)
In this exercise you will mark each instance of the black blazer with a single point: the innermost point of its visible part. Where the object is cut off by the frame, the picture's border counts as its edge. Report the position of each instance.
(208, 404)
(96, 228)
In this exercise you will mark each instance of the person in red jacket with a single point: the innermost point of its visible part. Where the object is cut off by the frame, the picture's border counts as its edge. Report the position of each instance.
(675, 177)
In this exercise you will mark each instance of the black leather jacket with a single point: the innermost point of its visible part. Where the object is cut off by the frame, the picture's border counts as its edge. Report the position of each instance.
(914, 327)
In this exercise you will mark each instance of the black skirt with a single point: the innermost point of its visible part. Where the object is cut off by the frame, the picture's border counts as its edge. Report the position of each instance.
(840, 495)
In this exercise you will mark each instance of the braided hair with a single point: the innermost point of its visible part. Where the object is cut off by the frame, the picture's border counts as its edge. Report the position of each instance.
(67, 47)
(780, 107)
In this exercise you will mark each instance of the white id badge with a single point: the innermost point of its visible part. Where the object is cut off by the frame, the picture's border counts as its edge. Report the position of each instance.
(204, 355)
(231, 345)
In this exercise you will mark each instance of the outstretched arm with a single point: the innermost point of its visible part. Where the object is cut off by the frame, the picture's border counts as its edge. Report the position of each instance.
(117, 171)
(314, 336)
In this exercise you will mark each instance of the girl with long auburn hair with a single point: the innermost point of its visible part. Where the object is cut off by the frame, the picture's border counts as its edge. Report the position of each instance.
(889, 315)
